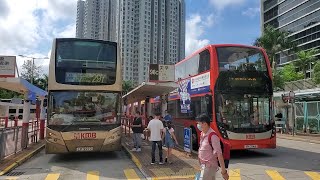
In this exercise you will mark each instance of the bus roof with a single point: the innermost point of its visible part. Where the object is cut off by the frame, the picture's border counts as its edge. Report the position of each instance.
(215, 45)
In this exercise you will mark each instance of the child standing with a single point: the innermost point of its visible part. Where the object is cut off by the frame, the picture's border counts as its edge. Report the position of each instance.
(169, 139)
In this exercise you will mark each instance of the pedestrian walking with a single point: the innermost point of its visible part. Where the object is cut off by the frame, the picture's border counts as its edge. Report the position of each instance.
(137, 132)
(155, 127)
(210, 153)
(170, 141)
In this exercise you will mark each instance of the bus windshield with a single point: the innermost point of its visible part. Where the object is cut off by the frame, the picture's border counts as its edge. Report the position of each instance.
(243, 113)
(72, 107)
(241, 59)
(85, 62)
(242, 69)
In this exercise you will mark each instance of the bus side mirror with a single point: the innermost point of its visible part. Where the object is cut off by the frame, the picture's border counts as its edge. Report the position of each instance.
(45, 102)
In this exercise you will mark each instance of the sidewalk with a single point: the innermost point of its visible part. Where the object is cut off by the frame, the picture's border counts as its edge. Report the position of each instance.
(301, 137)
(183, 167)
(11, 162)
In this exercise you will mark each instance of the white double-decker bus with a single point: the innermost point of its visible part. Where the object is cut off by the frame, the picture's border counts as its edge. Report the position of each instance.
(84, 86)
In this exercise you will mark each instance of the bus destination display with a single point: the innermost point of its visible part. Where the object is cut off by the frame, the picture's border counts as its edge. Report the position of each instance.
(72, 77)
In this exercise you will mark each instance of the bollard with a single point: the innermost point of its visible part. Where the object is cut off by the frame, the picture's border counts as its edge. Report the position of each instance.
(25, 124)
(42, 120)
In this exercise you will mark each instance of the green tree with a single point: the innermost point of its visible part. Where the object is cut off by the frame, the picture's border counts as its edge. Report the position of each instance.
(316, 71)
(278, 82)
(42, 82)
(304, 60)
(274, 41)
(30, 71)
(6, 94)
(289, 73)
(127, 86)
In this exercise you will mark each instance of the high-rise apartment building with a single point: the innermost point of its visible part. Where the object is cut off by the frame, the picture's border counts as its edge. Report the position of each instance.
(301, 18)
(97, 19)
(149, 31)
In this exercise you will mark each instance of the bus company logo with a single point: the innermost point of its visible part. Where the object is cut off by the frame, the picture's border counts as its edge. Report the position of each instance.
(250, 136)
(89, 135)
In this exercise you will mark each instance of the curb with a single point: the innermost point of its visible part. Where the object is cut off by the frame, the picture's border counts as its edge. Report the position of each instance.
(137, 163)
(299, 139)
(21, 160)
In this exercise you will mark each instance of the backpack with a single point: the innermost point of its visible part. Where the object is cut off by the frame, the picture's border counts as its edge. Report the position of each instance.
(225, 147)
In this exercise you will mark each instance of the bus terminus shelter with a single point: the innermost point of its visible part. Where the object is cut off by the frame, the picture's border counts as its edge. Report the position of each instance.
(31, 93)
(139, 98)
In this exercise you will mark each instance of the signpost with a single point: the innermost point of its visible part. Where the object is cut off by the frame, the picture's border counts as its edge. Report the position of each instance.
(161, 73)
(187, 139)
(7, 66)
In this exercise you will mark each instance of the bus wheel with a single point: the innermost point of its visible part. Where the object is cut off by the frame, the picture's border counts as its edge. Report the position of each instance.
(195, 144)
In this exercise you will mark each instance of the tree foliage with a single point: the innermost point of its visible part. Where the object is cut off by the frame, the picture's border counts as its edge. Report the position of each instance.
(289, 73)
(274, 41)
(304, 59)
(278, 82)
(30, 70)
(42, 82)
(6, 94)
(127, 86)
(316, 71)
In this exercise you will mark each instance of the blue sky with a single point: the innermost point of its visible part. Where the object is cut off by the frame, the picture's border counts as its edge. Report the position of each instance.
(230, 21)
(28, 27)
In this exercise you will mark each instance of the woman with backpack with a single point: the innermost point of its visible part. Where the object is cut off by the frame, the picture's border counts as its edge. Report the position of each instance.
(210, 152)
(169, 139)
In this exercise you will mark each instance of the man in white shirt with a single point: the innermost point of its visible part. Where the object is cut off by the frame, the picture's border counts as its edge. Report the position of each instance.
(155, 127)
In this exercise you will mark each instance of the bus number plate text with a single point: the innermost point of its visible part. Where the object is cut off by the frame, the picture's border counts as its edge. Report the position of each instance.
(250, 146)
(84, 149)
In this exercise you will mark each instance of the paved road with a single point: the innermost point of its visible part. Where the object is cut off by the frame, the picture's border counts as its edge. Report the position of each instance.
(78, 167)
(290, 160)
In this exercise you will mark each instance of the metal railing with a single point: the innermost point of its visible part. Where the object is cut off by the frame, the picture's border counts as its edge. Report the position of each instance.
(10, 141)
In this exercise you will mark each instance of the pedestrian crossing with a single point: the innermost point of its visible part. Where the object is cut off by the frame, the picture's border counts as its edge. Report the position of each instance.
(234, 174)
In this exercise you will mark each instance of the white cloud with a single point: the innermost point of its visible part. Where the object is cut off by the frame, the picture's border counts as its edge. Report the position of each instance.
(221, 4)
(27, 26)
(251, 12)
(195, 28)
(68, 31)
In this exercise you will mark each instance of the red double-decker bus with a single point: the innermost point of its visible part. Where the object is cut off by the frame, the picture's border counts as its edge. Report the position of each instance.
(232, 84)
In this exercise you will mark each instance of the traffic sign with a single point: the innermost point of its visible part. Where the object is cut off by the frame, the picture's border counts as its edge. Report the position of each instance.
(187, 139)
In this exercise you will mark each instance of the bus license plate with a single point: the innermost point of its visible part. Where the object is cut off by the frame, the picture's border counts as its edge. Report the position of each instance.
(84, 149)
(250, 146)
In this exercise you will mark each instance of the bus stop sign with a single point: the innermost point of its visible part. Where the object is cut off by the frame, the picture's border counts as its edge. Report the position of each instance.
(187, 139)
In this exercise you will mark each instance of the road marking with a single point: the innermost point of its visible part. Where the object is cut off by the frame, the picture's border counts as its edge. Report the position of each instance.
(131, 174)
(234, 174)
(93, 175)
(274, 175)
(313, 175)
(12, 178)
(52, 176)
